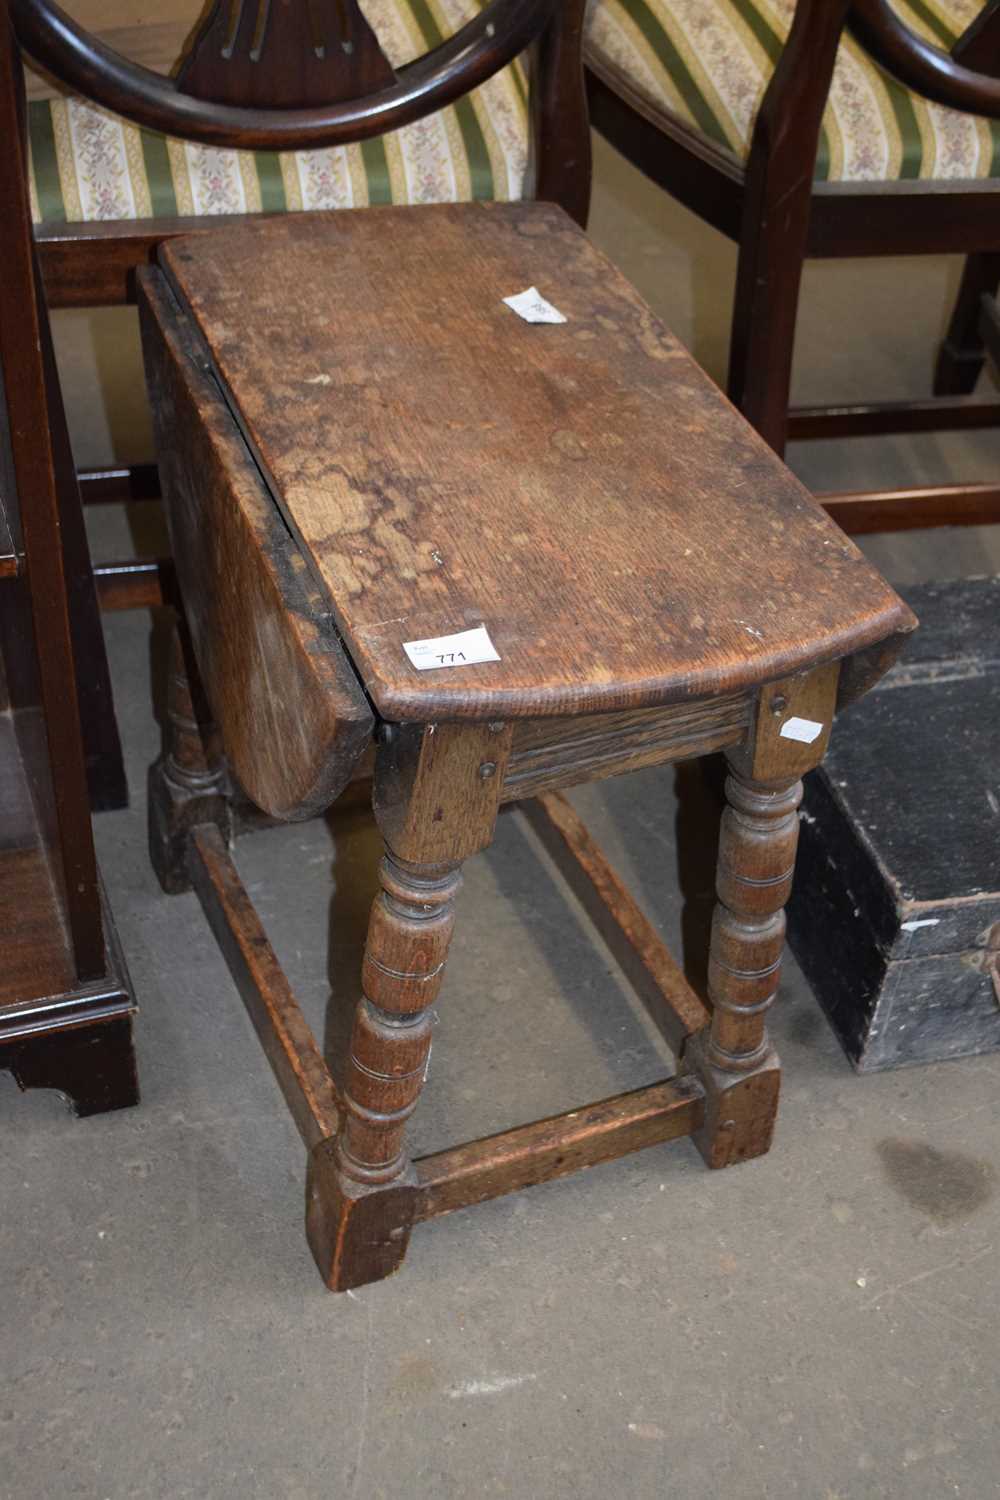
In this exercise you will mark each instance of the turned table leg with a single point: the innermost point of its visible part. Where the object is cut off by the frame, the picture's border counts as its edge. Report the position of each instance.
(436, 797)
(760, 829)
(188, 784)
(366, 1170)
(733, 1056)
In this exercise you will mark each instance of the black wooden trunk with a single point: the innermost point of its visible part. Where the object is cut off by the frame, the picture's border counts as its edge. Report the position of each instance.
(895, 918)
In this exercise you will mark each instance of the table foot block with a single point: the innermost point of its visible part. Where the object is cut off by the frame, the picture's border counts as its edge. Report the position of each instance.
(740, 1107)
(357, 1232)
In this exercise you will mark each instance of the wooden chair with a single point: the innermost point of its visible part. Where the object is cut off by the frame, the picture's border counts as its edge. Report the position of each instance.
(799, 138)
(493, 110)
(65, 1001)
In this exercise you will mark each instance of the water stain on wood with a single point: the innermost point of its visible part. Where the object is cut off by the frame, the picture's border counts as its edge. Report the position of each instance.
(947, 1185)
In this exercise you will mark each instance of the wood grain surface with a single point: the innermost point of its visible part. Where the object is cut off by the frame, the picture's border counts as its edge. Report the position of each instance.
(582, 489)
(547, 1149)
(293, 717)
(549, 753)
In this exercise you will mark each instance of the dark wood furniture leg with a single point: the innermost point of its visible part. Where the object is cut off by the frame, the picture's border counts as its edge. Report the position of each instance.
(105, 765)
(94, 1065)
(188, 784)
(962, 355)
(775, 223)
(763, 336)
(437, 792)
(560, 134)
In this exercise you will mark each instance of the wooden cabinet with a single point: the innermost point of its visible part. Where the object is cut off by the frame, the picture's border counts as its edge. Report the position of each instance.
(65, 1002)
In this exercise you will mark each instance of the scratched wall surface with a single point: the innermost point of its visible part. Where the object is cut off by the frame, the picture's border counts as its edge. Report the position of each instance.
(818, 1324)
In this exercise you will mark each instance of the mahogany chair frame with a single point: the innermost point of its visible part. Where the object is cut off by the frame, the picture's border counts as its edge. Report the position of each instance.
(779, 216)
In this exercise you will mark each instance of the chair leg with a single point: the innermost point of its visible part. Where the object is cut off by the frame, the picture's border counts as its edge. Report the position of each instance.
(188, 784)
(961, 356)
(763, 332)
(777, 203)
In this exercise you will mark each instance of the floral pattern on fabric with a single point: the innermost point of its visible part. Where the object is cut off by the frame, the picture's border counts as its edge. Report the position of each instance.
(97, 166)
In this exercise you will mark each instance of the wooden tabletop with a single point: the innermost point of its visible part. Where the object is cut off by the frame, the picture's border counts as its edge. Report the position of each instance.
(582, 489)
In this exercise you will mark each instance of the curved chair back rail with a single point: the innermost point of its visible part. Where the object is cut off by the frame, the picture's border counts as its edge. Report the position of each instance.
(809, 174)
(943, 77)
(481, 48)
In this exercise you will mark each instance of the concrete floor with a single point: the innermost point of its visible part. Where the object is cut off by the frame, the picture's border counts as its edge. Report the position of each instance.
(821, 1323)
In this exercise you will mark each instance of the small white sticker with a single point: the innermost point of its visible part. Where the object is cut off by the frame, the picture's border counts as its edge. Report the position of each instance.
(804, 730)
(924, 922)
(462, 650)
(533, 308)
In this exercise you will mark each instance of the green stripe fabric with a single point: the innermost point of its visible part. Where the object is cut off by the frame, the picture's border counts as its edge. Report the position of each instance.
(943, 34)
(909, 131)
(376, 171)
(659, 38)
(520, 81)
(158, 175)
(480, 170)
(44, 164)
(772, 44)
(709, 63)
(271, 182)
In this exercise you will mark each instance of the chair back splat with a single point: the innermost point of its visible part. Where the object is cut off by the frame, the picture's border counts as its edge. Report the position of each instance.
(337, 88)
(290, 56)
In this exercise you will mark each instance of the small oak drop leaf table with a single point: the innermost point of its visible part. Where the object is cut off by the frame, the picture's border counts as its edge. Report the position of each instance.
(362, 448)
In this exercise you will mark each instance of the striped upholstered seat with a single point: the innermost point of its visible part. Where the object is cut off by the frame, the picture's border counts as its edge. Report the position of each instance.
(708, 62)
(87, 164)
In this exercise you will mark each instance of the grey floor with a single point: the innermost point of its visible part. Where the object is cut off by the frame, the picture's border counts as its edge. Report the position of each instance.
(821, 1323)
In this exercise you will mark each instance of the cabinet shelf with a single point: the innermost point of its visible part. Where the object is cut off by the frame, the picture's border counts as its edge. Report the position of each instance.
(38, 954)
